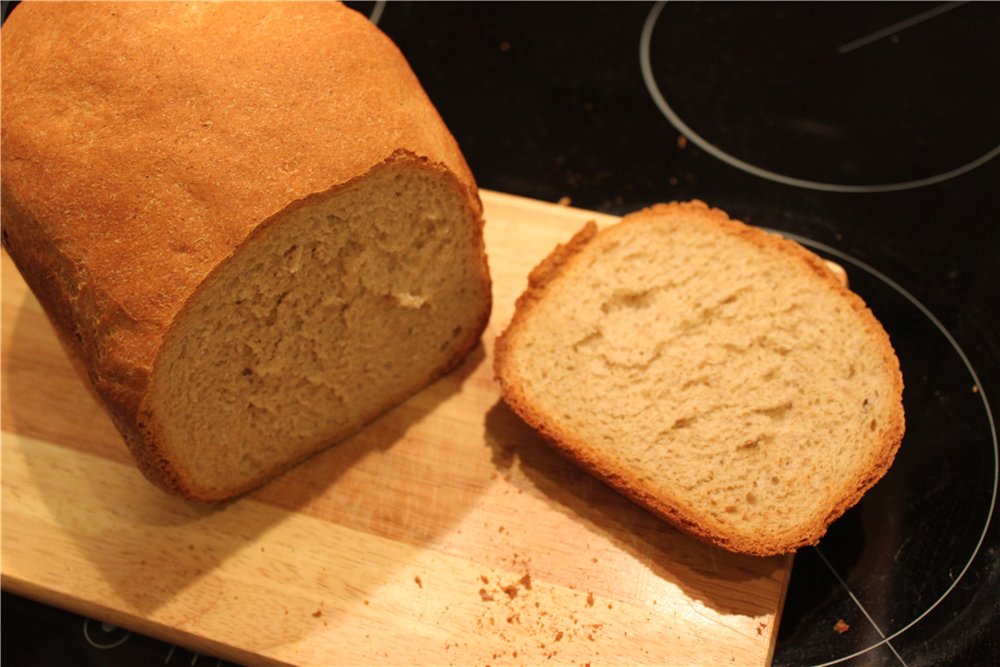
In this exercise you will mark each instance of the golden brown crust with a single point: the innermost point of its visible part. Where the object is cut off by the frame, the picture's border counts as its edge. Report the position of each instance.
(138, 155)
(673, 509)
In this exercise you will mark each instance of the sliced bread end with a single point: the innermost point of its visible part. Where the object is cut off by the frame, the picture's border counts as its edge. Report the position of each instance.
(720, 376)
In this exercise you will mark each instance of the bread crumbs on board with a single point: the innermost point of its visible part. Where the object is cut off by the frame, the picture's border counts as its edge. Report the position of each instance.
(519, 619)
(529, 621)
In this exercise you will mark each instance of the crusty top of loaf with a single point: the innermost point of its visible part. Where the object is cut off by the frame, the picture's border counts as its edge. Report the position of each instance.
(143, 142)
(598, 353)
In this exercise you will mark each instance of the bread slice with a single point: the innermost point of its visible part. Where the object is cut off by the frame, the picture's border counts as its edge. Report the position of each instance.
(719, 375)
(246, 220)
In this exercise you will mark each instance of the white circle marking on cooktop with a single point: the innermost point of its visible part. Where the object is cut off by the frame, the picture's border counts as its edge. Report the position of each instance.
(654, 90)
(986, 406)
(377, 10)
(107, 630)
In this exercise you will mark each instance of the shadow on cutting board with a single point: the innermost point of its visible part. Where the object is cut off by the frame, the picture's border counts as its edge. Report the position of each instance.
(725, 582)
(150, 547)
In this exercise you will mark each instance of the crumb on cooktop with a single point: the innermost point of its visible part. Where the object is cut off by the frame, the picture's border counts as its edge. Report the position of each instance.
(840, 626)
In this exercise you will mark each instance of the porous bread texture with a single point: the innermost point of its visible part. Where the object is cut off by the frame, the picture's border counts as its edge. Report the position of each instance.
(247, 222)
(719, 375)
(335, 312)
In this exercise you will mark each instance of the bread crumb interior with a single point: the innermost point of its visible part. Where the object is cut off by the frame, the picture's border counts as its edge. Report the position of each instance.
(325, 319)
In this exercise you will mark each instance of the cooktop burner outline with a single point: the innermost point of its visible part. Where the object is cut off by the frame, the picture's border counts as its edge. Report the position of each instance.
(886, 640)
(898, 27)
(660, 100)
(377, 10)
(864, 612)
(107, 629)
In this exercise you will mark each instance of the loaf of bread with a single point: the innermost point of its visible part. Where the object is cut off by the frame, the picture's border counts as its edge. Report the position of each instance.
(246, 220)
(721, 376)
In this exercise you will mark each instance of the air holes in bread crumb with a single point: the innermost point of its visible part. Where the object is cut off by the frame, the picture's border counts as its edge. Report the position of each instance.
(775, 412)
(628, 299)
(293, 258)
(683, 422)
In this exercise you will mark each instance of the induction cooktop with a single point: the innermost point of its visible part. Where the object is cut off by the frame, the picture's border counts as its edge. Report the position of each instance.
(869, 133)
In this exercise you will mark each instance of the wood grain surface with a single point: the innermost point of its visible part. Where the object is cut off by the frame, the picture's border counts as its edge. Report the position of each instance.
(445, 533)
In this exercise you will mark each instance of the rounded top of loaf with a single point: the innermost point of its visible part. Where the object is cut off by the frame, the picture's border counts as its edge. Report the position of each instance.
(177, 128)
(144, 142)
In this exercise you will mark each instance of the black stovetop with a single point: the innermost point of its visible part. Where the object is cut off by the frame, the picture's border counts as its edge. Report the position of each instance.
(866, 131)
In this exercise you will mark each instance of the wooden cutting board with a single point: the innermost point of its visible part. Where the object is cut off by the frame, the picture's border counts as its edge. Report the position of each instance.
(445, 533)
